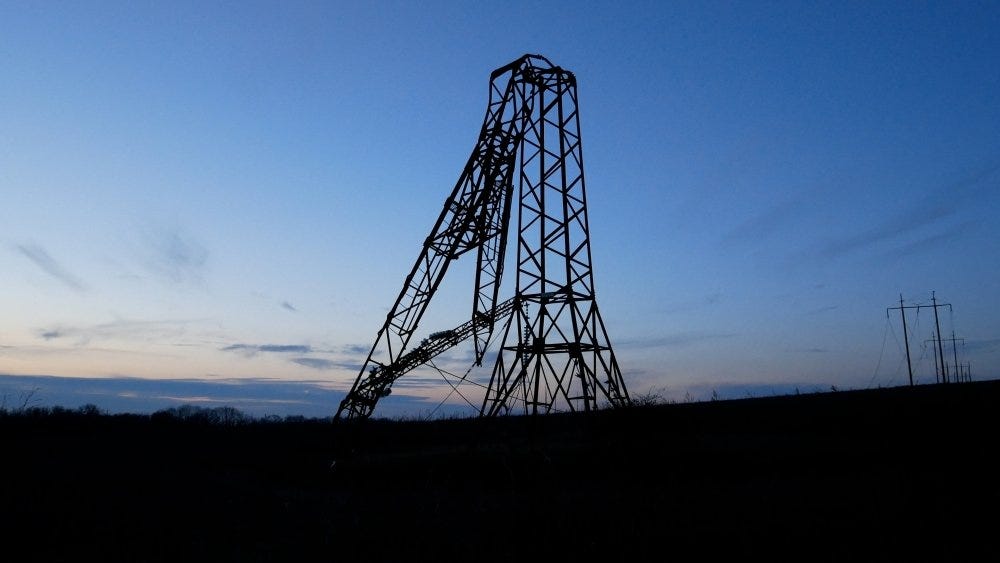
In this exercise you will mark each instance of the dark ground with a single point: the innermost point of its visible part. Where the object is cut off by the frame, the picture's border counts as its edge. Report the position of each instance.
(889, 474)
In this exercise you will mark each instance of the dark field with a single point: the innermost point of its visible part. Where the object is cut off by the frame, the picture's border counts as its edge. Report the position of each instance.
(889, 474)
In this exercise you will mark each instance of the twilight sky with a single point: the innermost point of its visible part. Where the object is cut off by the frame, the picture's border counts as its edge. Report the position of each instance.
(217, 202)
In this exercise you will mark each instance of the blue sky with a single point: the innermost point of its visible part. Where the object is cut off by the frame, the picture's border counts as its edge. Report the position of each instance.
(231, 194)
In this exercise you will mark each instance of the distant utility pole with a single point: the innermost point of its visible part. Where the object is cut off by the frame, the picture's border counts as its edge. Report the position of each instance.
(937, 324)
(906, 339)
(966, 372)
(940, 374)
(954, 351)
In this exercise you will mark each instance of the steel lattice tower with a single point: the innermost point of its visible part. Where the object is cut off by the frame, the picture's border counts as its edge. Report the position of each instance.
(556, 355)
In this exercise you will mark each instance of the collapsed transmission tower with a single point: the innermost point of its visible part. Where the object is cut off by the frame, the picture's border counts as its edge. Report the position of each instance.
(555, 355)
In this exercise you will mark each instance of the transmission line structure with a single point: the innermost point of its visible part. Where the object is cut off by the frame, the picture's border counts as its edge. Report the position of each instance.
(555, 353)
(941, 372)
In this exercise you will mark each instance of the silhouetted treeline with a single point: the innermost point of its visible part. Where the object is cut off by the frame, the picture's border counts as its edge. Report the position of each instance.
(222, 416)
(88, 410)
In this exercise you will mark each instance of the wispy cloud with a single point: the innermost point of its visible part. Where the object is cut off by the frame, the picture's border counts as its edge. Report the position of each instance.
(810, 350)
(254, 349)
(705, 302)
(321, 363)
(764, 225)
(175, 256)
(821, 310)
(350, 366)
(985, 346)
(350, 363)
(128, 330)
(931, 242)
(677, 340)
(315, 363)
(933, 208)
(41, 258)
(355, 349)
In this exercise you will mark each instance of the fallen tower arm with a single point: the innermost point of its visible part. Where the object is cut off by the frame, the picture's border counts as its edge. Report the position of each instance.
(378, 381)
(475, 217)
